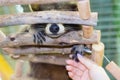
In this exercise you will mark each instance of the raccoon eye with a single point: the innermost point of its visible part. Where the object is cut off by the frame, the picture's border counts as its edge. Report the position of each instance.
(55, 29)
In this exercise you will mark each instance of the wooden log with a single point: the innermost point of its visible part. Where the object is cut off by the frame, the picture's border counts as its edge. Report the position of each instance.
(19, 68)
(49, 59)
(67, 17)
(87, 31)
(114, 70)
(84, 9)
(68, 38)
(16, 2)
(98, 53)
(37, 50)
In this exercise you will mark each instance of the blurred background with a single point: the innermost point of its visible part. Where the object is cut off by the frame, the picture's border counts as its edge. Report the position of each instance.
(109, 24)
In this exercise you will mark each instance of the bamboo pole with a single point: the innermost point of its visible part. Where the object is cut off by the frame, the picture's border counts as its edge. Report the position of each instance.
(114, 70)
(16, 2)
(98, 53)
(84, 9)
(87, 31)
(67, 17)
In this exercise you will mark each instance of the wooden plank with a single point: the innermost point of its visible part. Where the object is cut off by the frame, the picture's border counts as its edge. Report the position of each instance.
(68, 38)
(67, 17)
(35, 50)
(16, 2)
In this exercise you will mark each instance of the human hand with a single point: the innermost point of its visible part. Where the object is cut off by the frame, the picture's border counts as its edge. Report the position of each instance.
(85, 69)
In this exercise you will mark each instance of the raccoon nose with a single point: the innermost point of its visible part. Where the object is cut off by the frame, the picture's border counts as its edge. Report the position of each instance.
(54, 28)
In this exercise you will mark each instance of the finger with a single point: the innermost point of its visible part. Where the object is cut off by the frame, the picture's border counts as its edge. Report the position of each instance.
(73, 77)
(69, 68)
(77, 72)
(85, 75)
(74, 70)
(76, 64)
(88, 63)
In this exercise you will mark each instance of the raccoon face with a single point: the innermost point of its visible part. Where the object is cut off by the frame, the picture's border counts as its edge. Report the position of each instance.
(55, 30)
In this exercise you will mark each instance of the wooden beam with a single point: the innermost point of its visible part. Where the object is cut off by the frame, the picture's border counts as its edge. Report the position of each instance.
(16, 2)
(67, 17)
(68, 38)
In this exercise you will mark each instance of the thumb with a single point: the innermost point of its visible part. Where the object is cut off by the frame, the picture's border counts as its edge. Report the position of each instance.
(86, 62)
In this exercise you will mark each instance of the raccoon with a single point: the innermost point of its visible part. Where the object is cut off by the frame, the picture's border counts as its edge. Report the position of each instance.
(44, 71)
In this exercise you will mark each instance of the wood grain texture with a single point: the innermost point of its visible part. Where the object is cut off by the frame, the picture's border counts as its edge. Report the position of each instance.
(68, 38)
(67, 17)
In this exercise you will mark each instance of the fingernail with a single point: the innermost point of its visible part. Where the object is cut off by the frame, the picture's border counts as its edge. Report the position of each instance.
(79, 56)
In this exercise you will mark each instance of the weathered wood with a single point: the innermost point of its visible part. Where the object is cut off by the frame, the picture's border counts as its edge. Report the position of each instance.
(68, 38)
(84, 9)
(16, 2)
(98, 53)
(114, 69)
(67, 17)
(36, 50)
(87, 31)
(49, 59)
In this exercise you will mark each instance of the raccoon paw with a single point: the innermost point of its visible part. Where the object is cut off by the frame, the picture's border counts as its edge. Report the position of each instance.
(77, 49)
(39, 38)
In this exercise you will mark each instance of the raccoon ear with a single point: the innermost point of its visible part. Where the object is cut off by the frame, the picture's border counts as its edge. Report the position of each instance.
(34, 7)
